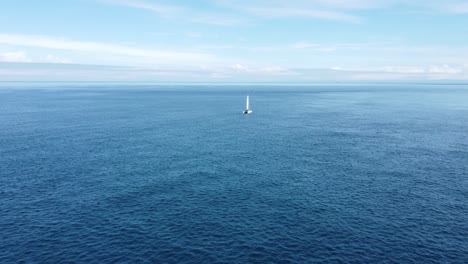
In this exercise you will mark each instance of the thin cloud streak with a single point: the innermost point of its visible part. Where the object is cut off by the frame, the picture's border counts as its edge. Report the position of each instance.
(14, 56)
(227, 73)
(218, 20)
(241, 12)
(97, 47)
(459, 8)
(163, 10)
(338, 10)
(278, 12)
(181, 13)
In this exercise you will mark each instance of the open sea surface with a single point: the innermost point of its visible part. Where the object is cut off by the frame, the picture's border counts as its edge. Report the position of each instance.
(177, 174)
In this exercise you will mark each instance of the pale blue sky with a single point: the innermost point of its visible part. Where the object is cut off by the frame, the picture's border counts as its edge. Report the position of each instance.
(233, 41)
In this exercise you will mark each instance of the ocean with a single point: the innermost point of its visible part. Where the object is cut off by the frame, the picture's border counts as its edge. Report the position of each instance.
(367, 173)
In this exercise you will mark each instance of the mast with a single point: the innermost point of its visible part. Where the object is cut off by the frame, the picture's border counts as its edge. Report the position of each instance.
(247, 105)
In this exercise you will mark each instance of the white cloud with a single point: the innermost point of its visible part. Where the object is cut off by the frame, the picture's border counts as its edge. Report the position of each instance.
(432, 69)
(445, 69)
(55, 59)
(21, 56)
(230, 73)
(163, 10)
(53, 43)
(352, 4)
(403, 72)
(181, 12)
(460, 8)
(243, 12)
(303, 45)
(217, 20)
(240, 68)
(195, 35)
(15, 56)
(399, 69)
(214, 47)
(338, 10)
(272, 70)
(263, 48)
(285, 12)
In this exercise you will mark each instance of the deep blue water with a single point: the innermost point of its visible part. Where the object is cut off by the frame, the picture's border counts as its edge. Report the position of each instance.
(178, 174)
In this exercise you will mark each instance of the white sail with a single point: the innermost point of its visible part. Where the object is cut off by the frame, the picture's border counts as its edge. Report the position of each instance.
(247, 106)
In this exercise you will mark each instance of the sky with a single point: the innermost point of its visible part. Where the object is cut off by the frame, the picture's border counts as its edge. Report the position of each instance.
(234, 41)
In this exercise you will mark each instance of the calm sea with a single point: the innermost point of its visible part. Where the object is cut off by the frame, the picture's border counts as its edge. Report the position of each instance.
(161, 174)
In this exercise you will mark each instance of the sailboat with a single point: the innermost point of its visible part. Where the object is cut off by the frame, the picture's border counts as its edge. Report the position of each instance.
(247, 107)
